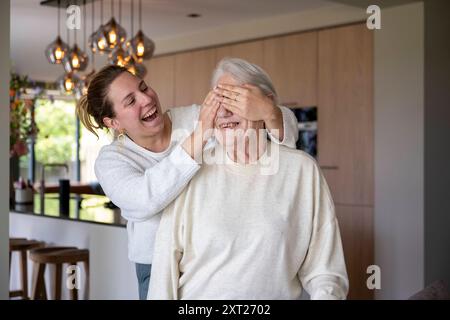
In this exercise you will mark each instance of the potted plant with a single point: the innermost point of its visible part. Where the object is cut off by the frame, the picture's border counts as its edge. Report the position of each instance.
(22, 125)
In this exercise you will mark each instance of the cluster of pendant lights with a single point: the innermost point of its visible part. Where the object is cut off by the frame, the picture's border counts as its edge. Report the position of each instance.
(110, 39)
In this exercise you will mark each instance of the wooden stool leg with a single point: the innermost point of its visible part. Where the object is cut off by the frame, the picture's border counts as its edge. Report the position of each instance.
(58, 277)
(24, 271)
(39, 290)
(86, 289)
(74, 293)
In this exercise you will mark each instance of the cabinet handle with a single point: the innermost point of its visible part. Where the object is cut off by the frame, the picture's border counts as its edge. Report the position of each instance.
(329, 167)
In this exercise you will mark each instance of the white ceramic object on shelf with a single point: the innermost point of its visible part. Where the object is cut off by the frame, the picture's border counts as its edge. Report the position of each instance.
(24, 195)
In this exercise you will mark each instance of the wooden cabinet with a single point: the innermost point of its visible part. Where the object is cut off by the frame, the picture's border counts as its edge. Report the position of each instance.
(250, 51)
(356, 224)
(291, 62)
(345, 112)
(161, 77)
(193, 72)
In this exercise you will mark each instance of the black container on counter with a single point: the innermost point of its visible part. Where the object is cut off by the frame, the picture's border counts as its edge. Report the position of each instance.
(64, 197)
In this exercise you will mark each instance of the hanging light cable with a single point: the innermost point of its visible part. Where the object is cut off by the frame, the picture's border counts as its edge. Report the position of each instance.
(93, 36)
(56, 50)
(88, 77)
(142, 47)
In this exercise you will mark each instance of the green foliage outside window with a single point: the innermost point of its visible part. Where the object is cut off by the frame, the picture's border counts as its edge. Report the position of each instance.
(56, 138)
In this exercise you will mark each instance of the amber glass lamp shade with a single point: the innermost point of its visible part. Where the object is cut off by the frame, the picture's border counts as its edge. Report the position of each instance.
(56, 51)
(142, 47)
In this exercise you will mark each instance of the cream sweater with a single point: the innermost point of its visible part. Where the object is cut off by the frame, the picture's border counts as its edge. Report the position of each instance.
(234, 233)
(142, 183)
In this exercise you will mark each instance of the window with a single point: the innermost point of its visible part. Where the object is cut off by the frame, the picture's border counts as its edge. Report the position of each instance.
(56, 143)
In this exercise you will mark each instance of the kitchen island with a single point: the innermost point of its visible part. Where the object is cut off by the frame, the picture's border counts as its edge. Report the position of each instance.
(91, 223)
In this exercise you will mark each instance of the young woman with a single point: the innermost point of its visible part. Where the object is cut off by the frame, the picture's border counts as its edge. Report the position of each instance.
(150, 162)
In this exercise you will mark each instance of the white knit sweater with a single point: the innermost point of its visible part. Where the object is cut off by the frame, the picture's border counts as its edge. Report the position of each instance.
(142, 183)
(234, 233)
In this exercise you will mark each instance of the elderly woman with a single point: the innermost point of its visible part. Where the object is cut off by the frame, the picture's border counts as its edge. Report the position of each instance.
(236, 232)
(148, 165)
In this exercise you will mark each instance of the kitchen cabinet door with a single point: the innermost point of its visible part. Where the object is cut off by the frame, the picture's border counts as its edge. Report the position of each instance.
(161, 77)
(193, 72)
(251, 51)
(345, 112)
(291, 62)
(356, 227)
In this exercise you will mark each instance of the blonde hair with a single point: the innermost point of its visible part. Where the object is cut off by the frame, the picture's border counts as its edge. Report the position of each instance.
(95, 105)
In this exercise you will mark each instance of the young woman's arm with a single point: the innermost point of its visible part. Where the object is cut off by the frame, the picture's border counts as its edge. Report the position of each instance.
(283, 129)
(143, 194)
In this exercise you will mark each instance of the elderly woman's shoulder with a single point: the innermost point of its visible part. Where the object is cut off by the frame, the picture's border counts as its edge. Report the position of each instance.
(296, 156)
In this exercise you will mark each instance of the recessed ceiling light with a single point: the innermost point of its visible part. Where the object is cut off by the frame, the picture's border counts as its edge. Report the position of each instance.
(194, 15)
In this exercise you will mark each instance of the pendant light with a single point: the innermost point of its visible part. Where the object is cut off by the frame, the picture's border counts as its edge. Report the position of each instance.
(69, 83)
(119, 56)
(142, 47)
(115, 33)
(98, 39)
(136, 68)
(76, 60)
(56, 51)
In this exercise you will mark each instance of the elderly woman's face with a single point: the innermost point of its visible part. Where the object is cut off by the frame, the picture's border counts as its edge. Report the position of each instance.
(227, 123)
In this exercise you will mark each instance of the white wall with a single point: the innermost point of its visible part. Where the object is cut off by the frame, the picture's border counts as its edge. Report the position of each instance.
(4, 147)
(399, 151)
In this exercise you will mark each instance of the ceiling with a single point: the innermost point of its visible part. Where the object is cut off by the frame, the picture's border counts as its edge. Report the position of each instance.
(381, 3)
(33, 26)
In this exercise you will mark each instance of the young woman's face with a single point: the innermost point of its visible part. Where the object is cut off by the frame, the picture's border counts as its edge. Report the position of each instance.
(136, 107)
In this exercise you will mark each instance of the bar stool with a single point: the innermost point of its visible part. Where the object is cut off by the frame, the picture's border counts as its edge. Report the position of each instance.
(57, 256)
(22, 246)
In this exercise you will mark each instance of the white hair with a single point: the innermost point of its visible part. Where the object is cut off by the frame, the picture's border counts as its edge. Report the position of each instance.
(244, 72)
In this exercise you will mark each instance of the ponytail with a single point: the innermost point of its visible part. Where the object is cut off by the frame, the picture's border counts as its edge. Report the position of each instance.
(94, 106)
(84, 116)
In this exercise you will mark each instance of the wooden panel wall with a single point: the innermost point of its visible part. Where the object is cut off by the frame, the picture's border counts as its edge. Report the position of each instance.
(345, 141)
(291, 62)
(161, 77)
(192, 76)
(345, 112)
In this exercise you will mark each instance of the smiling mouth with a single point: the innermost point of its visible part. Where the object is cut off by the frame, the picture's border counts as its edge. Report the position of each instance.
(228, 125)
(150, 115)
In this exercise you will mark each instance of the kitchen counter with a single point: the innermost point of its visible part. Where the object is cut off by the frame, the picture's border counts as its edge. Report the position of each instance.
(91, 209)
(93, 227)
